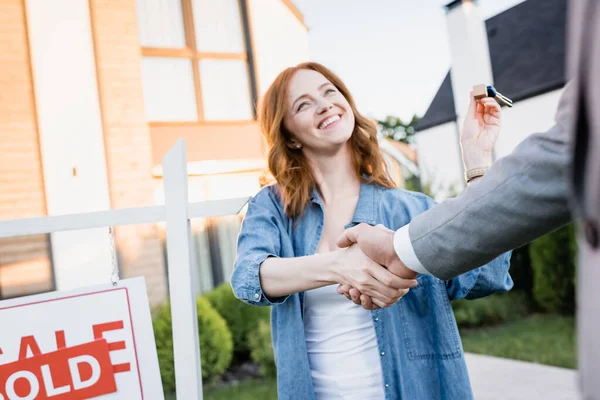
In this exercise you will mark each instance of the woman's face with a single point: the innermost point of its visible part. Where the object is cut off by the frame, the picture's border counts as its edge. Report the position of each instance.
(318, 117)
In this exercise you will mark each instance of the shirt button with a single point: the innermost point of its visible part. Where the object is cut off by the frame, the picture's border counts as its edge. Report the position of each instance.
(383, 353)
(257, 296)
(377, 319)
(386, 385)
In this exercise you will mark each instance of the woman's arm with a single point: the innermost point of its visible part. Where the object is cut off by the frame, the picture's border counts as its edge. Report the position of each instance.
(491, 278)
(283, 276)
(262, 277)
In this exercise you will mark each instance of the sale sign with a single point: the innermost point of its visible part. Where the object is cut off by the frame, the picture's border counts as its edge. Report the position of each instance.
(88, 343)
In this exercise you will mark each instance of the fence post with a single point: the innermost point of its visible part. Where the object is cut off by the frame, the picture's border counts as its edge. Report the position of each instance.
(186, 346)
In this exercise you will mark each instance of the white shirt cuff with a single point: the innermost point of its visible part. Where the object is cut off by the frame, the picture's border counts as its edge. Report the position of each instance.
(405, 251)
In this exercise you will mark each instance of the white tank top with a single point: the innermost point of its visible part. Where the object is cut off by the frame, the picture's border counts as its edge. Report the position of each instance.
(342, 347)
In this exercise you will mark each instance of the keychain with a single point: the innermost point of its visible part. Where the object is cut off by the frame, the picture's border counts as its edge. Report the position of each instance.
(481, 91)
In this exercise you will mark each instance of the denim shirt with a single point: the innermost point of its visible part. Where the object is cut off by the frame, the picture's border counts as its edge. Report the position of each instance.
(420, 349)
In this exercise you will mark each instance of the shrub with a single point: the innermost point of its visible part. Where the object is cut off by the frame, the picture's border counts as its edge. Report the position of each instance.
(553, 258)
(261, 348)
(241, 318)
(521, 271)
(216, 345)
(494, 309)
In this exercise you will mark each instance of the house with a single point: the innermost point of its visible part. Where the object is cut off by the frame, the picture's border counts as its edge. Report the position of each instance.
(521, 51)
(93, 95)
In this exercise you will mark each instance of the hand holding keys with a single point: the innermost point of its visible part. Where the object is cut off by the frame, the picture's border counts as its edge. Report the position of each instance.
(480, 91)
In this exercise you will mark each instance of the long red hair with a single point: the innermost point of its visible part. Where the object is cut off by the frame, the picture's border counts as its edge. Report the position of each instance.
(290, 168)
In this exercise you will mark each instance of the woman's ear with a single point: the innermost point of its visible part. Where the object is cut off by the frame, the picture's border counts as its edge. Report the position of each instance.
(294, 145)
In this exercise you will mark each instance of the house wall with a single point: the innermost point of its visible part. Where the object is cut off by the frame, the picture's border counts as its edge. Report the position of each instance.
(85, 92)
(528, 116)
(439, 158)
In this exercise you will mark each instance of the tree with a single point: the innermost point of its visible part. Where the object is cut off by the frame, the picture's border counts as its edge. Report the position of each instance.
(398, 130)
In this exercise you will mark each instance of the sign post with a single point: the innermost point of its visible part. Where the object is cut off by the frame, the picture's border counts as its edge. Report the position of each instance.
(186, 345)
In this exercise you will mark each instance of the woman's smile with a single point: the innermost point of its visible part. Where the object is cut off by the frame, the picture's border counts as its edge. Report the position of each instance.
(330, 122)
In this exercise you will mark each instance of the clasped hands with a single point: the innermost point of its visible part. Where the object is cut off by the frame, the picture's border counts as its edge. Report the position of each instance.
(376, 277)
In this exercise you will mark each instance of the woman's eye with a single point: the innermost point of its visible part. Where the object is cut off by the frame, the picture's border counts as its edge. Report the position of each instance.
(328, 91)
(302, 106)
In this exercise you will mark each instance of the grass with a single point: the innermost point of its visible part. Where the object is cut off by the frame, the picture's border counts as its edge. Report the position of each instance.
(247, 390)
(545, 339)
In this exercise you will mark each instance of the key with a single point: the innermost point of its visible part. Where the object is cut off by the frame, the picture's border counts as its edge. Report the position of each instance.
(480, 91)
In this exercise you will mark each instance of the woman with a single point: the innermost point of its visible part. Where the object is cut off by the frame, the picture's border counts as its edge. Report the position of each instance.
(330, 175)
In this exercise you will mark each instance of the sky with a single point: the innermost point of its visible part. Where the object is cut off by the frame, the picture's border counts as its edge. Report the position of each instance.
(392, 54)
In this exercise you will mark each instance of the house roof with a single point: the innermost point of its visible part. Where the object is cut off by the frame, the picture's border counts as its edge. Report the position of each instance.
(295, 10)
(527, 52)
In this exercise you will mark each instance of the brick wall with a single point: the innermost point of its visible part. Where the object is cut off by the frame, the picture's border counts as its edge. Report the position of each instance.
(127, 137)
(21, 181)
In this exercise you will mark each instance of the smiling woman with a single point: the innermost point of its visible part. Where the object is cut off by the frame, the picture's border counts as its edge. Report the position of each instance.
(302, 126)
(330, 174)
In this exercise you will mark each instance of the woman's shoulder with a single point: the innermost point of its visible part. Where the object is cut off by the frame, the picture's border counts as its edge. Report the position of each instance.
(268, 195)
(398, 206)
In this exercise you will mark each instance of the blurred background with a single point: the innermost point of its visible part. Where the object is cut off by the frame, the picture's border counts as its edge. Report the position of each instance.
(93, 93)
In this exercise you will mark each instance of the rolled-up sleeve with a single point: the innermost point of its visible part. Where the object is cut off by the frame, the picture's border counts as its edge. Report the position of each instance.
(259, 239)
(490, 278)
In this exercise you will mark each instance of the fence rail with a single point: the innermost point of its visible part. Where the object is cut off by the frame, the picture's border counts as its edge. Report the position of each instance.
(123, 216)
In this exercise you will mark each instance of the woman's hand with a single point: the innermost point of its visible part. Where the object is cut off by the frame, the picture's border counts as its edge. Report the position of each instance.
(479, 132)
(355, 269)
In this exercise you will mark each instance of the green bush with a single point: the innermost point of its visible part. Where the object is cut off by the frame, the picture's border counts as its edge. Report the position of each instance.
(553, 258)
(261, 348)
(491, 310)
(216, 345)
(521, 271)
(241, 318)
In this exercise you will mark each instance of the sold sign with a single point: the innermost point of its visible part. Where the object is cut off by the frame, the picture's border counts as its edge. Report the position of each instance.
(94, 342)
(83, 371)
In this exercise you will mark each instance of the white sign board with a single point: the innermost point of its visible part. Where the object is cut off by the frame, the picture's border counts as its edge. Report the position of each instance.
(96, 342)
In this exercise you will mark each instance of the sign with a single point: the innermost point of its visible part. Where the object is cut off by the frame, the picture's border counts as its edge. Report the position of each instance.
(96, 342)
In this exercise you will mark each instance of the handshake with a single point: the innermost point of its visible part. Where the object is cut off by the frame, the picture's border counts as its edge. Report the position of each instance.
(370, 272)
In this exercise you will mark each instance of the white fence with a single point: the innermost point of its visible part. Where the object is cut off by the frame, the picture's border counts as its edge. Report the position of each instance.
(177, 213)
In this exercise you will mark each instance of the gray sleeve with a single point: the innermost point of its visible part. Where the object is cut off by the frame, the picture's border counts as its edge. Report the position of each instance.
(523, 196)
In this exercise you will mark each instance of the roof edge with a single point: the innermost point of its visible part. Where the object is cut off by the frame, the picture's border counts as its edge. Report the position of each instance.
(295, 11)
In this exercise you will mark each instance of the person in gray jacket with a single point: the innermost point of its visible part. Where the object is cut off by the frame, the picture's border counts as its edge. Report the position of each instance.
(550, 179)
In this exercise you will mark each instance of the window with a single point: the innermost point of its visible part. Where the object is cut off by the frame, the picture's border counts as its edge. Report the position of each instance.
(196, 60)
(25, 266)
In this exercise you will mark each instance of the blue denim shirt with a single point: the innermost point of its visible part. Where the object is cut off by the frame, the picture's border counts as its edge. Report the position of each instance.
(421, 351)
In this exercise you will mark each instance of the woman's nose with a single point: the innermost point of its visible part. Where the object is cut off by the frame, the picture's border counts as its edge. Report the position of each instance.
(324, 106)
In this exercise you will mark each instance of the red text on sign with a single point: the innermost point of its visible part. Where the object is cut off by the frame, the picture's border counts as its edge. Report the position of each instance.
(83, 371)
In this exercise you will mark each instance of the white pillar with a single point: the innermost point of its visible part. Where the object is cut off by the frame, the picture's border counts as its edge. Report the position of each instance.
(470, 54)
(71, 137)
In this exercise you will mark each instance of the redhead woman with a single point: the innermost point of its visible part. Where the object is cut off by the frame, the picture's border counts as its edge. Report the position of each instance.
(330, 175)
